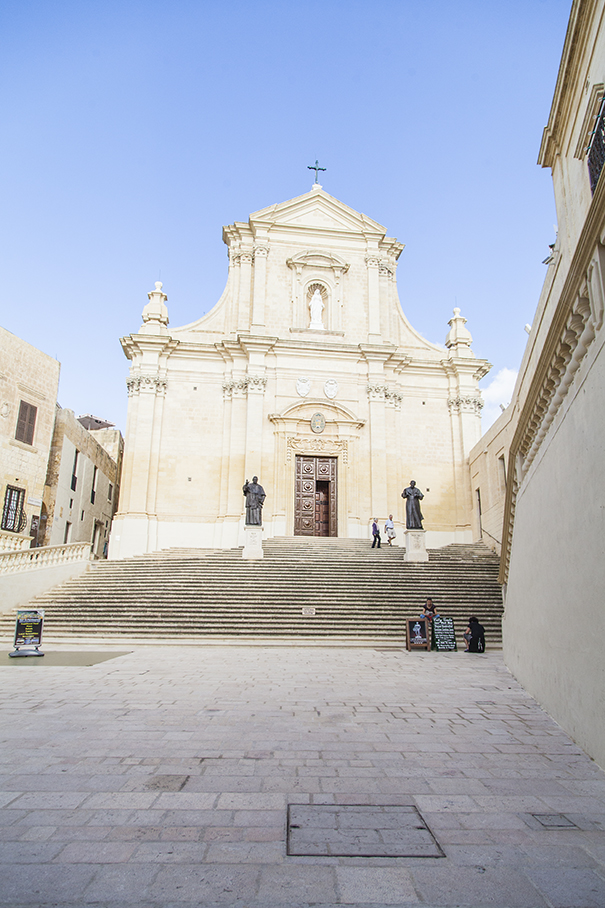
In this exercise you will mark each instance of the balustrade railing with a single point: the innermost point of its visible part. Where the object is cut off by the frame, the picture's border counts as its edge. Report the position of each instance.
(43, 557)
(12, 542)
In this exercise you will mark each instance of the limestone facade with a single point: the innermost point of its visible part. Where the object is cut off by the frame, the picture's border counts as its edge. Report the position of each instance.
(553, 535)
(82, 483)
(488, 466)
(307, 374)
(29, 380)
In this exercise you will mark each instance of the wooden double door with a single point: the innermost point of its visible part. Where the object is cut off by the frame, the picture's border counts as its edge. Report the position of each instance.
(315, 512)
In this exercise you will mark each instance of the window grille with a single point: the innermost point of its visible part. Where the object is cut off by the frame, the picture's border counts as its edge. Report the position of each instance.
(26, 423)
(596, 148)
(14, 517)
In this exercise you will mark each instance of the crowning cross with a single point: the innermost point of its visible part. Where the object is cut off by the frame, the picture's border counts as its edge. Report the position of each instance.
(316, 168)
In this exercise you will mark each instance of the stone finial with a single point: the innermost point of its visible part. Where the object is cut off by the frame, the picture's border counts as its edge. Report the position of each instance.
(459, 338)
(155, 313)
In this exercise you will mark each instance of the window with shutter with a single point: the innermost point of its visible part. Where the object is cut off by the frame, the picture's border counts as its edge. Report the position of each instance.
(26, 423)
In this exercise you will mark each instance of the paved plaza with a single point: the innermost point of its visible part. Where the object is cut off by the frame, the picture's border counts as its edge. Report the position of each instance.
(181, 776)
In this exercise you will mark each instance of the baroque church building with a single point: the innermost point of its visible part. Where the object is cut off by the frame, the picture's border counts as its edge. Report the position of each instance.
(307, 374)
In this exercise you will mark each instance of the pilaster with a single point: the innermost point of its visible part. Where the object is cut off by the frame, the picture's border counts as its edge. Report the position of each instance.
(261, 251)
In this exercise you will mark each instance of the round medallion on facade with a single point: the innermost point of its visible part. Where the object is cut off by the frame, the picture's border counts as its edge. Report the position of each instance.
(318, 423)
(331, 388)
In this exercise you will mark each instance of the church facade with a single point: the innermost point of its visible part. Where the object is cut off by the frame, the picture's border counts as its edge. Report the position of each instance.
(307, 374)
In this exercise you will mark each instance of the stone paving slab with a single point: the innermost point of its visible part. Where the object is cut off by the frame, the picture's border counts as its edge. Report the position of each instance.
(161, 778)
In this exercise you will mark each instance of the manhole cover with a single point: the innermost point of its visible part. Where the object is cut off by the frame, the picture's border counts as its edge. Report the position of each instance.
(359, 831)
(553, 820)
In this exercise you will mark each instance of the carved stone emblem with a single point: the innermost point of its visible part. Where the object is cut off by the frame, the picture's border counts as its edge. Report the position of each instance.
(303, 386)
(331, 388)
(318, 423)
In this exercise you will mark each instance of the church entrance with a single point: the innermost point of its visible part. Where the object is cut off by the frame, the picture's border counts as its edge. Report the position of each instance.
(315, 496)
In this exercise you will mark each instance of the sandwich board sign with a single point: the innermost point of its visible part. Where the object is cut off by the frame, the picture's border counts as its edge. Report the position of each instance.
(443, 634)
(417, 636)
(28, 632)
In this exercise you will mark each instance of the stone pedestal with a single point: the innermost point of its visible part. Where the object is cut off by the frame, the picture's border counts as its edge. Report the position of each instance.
(415, 546)
(253, 542)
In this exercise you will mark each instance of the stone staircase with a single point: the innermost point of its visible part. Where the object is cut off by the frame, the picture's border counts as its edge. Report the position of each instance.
(357, 592)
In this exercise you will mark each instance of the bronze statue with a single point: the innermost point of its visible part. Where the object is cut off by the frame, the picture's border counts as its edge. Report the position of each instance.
(255, 496)
(413, 514)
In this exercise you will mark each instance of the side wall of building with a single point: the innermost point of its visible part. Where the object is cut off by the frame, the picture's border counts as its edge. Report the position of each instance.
(553, 556)
(554, 621)
(26, 375)
(488, 465)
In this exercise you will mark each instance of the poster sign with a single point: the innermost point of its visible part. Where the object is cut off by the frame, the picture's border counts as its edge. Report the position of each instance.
(28, 632)
(443, 634)
(417, 634)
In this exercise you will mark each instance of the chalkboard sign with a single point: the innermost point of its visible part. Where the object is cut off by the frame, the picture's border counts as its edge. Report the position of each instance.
(443, 634)
(417, 634)
(28, 632)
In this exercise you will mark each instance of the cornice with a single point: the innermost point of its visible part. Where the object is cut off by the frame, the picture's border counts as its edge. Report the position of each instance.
(580, 19)
(530, 410)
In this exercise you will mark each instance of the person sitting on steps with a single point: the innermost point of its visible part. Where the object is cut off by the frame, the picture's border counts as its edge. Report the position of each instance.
(474, 636)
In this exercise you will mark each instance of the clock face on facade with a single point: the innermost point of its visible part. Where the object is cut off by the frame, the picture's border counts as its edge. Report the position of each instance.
(318, 423)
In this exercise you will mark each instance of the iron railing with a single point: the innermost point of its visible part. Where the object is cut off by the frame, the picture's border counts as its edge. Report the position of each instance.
(596, 148)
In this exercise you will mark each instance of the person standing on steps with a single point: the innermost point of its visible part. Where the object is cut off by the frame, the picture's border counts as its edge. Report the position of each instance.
(375, 533)
(389, 529)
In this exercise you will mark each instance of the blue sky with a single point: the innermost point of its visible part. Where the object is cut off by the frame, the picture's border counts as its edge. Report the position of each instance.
(134, 130)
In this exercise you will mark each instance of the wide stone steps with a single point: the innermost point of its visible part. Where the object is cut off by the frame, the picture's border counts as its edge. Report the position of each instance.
(356, 592)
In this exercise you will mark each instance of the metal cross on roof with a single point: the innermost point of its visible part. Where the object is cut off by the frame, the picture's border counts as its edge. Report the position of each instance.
(316, 168)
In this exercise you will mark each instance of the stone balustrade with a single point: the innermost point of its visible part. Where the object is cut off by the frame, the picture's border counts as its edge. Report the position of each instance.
(13, 542)
(44, 557)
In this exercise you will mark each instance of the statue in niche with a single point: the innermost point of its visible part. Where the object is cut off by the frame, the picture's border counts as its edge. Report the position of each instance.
(255, 497)
(316, 307)
(413, 514)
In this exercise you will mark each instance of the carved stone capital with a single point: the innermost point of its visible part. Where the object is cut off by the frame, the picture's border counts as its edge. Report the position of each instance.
(133, 385)
(465, 405)
(261, 251)
(372, 261)
(256, 383)
(393, 399)
(377, 392)
(149, 384)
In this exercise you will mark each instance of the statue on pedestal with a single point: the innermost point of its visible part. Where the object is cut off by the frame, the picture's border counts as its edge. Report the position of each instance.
(413, 514)
(255, 496)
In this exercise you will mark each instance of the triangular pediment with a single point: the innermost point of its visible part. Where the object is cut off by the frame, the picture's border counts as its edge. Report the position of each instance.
(317, 209)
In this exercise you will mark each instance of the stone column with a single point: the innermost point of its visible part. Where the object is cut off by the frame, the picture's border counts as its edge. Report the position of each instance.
(373, 264)
(378, 449)
(234, 275)
(245, 279)
(260, 280)
(256, 385)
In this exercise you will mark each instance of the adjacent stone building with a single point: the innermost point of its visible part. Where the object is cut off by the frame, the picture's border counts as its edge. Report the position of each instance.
(553, 432)
(82, 483)
(29, 380)
(307, 374)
